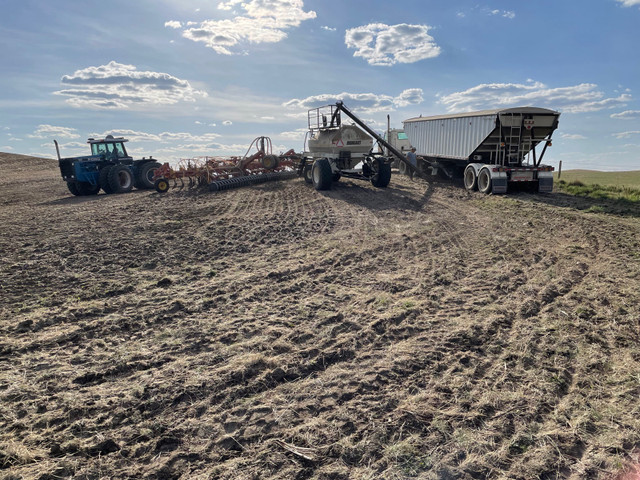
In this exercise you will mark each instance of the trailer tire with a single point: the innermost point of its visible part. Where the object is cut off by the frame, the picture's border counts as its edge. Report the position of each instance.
(470, 178)
(103, 179)
(402, 168)
(321, 174)
(306, 173)
(144, 178)
(120, 179)
(85, 188)
(484, 181)
(381, 174)
(270, 162)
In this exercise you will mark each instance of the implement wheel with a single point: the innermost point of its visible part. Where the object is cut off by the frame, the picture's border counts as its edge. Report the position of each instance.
(380, 173)
(470, 178)
(120, 179)
(270, 162)
(321, 174)
(162, 185)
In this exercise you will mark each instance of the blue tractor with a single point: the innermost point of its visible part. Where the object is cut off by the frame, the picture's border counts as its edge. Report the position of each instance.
(109, 167)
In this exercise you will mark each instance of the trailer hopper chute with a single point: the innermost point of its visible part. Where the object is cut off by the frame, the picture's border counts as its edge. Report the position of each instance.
(491, 149)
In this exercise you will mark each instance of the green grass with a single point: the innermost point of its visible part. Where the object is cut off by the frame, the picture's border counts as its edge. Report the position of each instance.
(600, 192)
(589, 177)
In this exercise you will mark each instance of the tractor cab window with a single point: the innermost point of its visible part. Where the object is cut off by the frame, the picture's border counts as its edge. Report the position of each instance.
(402, 136)
(116, 150)
(98, 149)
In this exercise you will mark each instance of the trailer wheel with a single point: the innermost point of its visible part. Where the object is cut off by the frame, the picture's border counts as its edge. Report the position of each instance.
(103, 179)
(402, 168)
(484, 181)
(470, 178)
(307, 173)
(270, 162)
(381, 173)
(144, 178)
(120, 179)
(162, 185)
(321, 174)
(85, 188)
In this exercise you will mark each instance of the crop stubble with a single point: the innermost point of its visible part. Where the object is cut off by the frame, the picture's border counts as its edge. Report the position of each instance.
(277, 332)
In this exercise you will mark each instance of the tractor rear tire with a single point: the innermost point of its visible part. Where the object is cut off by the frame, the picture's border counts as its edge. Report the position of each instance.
(484, 181)
(85, 188)
(270, 162)
(381, 174)
(322, 174)
(144, 178)
(120, 179)
(103, 179)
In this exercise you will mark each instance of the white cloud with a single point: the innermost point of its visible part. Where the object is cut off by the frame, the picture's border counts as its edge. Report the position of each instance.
(226, 123)
(328, 29)
(173, 24)
(629, 3)
(264, 21)
(504, 13)
(360, 102)
(48, 131)
(573, 99)
(627, 114)
(295, 134)
(121, 86)
(386, 45)
(627, 134)
(573, 136)
(6, 148)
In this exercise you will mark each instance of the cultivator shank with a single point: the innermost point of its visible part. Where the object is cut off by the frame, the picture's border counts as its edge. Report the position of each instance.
(223, 173)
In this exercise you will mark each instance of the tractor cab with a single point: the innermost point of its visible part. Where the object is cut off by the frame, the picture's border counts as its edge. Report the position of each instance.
(109, 148)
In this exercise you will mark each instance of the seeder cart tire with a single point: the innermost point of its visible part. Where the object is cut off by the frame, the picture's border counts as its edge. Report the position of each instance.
(306, 173)
(381, 174)
(322, 174)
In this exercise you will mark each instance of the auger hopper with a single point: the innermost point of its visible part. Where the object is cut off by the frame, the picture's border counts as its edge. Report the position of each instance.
(218, 173)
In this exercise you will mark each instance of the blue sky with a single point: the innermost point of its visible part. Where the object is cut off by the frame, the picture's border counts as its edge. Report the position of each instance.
(185, 78)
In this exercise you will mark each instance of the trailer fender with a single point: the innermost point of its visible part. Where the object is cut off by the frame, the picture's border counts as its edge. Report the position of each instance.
(499, 178)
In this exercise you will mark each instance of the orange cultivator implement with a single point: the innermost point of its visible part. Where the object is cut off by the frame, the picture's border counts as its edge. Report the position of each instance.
(223, 173)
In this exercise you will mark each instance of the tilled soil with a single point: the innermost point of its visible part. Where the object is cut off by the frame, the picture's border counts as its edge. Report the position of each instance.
(276, 332)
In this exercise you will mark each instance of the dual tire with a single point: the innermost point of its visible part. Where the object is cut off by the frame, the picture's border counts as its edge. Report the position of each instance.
(116, 179)
(477, 181)
(82, 189)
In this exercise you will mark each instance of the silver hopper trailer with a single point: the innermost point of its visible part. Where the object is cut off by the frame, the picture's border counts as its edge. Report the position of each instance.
(491, 149)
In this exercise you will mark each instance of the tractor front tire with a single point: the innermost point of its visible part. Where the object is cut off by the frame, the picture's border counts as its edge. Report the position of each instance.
(120, 179)
(73, 188)
(322, 174)
(103, 179)
(85, 188)
(144, 178)
(381, 173)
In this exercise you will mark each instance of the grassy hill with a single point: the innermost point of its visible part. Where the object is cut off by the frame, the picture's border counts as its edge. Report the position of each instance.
(619, 179)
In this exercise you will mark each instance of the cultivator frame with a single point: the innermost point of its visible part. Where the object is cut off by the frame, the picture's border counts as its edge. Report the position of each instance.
(218, 173)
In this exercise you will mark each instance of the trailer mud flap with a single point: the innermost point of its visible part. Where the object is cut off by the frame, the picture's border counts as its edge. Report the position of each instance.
(545, 184)
(499, 185)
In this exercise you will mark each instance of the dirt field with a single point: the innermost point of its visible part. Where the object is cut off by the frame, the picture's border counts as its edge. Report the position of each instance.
(276, 332)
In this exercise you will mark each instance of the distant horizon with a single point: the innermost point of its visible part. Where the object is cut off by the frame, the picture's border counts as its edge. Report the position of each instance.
(188, 78)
